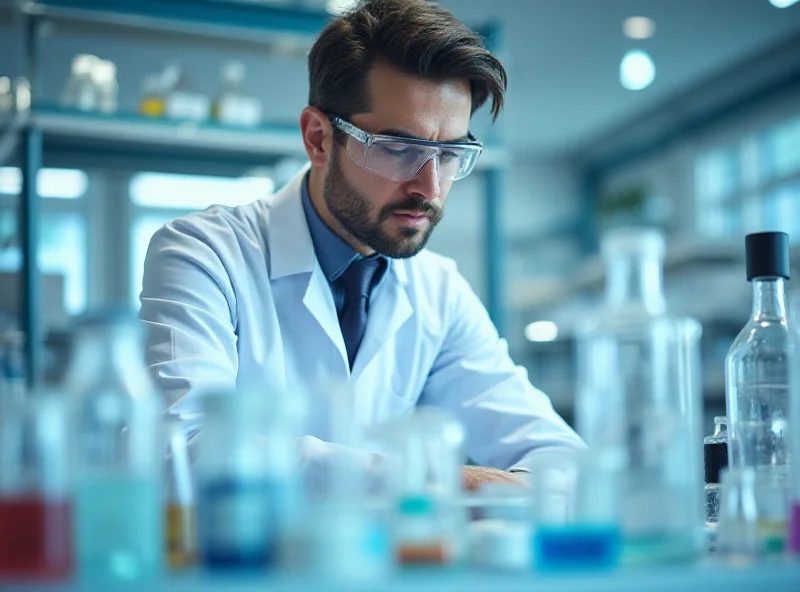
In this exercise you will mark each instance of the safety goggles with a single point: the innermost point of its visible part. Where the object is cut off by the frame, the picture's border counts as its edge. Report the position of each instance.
(400, 159)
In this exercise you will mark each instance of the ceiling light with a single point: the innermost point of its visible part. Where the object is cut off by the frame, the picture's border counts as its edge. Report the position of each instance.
(637, 70)
(640, 27)
(782, 3)
(339, 6)
(541, 331)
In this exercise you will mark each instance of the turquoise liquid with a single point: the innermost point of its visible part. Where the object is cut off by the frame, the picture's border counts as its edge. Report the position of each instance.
(577, 547)
(118, 529)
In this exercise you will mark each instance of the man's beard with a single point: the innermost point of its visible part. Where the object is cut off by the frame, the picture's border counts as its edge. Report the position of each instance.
(352, 210)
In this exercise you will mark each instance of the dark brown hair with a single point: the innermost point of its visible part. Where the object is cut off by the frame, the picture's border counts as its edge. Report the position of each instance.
(416, 37)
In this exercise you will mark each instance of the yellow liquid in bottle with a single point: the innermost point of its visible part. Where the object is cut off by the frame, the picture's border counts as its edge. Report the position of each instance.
(152, 106)
(181, 535)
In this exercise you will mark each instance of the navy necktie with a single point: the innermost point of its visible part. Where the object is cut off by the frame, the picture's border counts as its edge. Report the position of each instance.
(357, 280)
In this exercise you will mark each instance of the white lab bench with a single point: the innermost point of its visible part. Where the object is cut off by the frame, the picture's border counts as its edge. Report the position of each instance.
(778, 577)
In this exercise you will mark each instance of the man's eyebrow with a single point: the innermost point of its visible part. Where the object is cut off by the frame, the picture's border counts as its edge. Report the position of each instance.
(403, 134)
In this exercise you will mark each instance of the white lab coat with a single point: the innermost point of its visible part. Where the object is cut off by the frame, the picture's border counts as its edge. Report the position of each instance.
(236, 297)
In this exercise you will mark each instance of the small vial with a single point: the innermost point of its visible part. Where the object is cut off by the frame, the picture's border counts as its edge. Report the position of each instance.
(180, 512)
(417, 538)
(715, 455)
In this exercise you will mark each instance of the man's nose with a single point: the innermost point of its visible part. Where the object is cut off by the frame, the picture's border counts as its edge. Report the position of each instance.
(426, 182)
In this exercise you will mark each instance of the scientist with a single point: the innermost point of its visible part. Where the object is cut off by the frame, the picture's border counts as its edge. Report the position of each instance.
(328, 279)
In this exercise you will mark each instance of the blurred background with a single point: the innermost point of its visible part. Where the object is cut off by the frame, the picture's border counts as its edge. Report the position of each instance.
(680, 114)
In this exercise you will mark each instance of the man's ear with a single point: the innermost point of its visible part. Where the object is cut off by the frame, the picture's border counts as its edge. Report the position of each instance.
(317, 134)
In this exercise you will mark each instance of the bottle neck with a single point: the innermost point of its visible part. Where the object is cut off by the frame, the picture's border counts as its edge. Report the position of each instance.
(636, 278)
(769, 302)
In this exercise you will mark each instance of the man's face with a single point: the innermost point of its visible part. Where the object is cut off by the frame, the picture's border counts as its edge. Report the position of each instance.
(397, 218)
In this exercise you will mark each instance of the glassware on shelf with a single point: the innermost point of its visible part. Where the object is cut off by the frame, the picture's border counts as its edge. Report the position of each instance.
(35, 498)
(428, 522)
(81, 91)
(181, 100)
(234, 107)
(6, 96)
(153, 102)
(715, 453)
(118, 452)
(638, 403)
(105, 78)
(737, 532)
(757, 371)
(180, 512)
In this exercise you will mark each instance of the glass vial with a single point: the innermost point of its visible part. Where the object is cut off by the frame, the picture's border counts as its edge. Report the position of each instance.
(715, 455)
(638, 401)
(35, 504)
(180, 512)
(757, 377)
(118, 452)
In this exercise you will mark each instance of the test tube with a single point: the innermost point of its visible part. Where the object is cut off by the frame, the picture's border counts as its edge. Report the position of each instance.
(35, 502)
(180, 510)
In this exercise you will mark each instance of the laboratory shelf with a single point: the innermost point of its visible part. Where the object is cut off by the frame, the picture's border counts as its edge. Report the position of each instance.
(775, 578)
(231, 20)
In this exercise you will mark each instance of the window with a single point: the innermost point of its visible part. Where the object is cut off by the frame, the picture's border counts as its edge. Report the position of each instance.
(780, 150)
(194, 192)
(159, 198)
(62, 250)
(51, 183)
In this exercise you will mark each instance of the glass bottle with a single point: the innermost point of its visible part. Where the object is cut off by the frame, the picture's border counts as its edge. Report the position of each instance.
(35, 501)
(81, 92)
(757, 373)
(152, 103)
(180, 512)
(638, 401)
(715, 454)
(118, 452)
(234, 106)
(737, 534)
(246, 480)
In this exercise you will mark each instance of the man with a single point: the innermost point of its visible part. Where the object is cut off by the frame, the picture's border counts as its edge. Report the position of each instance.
(328, 280)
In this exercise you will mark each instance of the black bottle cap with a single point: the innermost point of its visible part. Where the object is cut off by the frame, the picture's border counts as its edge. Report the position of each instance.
(767, 255)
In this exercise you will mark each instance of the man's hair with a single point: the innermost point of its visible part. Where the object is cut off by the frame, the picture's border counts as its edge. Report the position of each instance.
(414, 36)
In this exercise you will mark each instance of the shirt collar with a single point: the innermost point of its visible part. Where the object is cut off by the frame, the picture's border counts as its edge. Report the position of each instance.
(334, 254)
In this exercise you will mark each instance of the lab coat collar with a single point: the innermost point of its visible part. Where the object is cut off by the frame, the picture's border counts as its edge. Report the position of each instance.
(291, 250)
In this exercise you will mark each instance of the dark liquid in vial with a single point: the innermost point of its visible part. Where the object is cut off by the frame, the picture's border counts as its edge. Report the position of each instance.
(716, 458)
(35, 538)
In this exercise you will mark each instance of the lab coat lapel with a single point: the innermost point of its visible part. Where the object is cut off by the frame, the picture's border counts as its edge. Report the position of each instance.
(291, 252)
(389, 309)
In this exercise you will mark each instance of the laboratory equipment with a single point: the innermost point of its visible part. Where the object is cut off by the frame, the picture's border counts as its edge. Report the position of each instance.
(794, 414)
(35, 504)
(153, 102)
(428, 524)
(638, 401)
(234, 107)
(715, 454)
(737, 531)
(12, 368)
(248, 493)
(348, 526)
(181, 100)
(576, 512)
(81, 91)
(500, 540)
(6, 96)
(757, 377)
(105, 79)
(118, 452)
(180, 510)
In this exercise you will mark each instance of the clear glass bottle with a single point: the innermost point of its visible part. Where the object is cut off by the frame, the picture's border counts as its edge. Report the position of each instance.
(118, 452)
(638, 403)
(715, 454)
(757, 370)
(35, 500)
(81, 92)
(233, 106)
(794, 412)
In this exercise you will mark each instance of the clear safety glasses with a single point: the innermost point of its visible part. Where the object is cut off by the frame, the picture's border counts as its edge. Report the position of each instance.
(400, 159)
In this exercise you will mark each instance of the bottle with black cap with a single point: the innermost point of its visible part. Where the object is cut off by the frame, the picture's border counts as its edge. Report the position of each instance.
(757, 383)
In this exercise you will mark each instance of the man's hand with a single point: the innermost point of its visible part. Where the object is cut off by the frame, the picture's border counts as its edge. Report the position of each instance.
(474, 477)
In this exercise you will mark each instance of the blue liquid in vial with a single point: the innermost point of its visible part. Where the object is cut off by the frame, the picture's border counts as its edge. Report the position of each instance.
(577, 547)
(237, 524)
(118, 528)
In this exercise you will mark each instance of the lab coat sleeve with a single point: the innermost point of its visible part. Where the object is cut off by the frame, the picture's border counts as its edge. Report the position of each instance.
(508, 422)
(188, 306)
